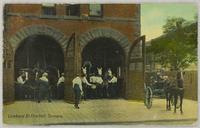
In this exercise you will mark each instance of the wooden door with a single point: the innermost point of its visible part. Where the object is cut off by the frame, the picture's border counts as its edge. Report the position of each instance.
(136, 68)
(70, 68)
(8, 74)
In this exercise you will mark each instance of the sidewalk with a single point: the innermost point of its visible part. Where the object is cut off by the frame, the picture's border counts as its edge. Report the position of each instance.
(96, 112)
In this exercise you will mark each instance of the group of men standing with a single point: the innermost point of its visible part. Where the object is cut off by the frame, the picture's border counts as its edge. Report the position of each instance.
(31, 85)
(93, 87)
(39, 85)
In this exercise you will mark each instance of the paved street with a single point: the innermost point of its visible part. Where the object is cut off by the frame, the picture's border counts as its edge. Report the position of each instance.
(98, 111)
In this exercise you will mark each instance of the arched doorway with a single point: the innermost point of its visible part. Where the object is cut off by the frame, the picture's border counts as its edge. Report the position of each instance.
(41, 52)
(108, 54)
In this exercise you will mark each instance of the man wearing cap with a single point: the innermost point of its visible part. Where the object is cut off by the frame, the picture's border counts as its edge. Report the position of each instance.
(77, 86)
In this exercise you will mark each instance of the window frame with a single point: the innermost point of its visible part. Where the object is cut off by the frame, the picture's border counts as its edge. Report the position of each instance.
(101, 7)
(67, 10)
(49, 7)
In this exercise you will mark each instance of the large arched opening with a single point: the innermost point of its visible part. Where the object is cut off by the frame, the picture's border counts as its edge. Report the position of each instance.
(108, 54)
(39, 52)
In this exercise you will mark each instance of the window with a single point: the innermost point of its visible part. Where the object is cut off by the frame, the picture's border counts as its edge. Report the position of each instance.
(49, 9)
(95, 10)
(73, 10)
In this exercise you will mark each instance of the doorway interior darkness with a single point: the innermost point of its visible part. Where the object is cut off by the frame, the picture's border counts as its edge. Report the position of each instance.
(39, 51)
(105, 53)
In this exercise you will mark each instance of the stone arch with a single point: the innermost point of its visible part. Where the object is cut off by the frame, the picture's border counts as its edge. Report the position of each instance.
(38, 30)
(92, 34)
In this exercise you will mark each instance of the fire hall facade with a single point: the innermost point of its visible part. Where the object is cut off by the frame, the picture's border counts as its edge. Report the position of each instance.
(66, 35)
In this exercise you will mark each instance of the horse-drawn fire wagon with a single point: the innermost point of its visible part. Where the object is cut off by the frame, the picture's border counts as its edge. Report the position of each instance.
(155, 88)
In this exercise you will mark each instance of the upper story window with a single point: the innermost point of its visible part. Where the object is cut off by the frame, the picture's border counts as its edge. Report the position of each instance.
(73, 10)
(95, 10)
(49, 9)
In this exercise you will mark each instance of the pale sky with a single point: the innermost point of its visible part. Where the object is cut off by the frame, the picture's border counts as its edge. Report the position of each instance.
(154, 15)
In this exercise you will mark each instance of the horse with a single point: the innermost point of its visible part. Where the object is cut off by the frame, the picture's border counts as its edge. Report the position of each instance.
(85, 86)
(173, 91)
(168, 94)
(99, 83)
(99, 70)
(84, 70)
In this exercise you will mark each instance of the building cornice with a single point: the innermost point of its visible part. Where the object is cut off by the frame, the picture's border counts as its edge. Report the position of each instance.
(56, 17)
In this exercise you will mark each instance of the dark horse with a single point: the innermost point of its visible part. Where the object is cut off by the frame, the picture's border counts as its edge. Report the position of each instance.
(53, 79)
(172, 92)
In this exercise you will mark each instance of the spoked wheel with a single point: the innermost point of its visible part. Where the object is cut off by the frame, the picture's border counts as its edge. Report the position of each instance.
(148, 97)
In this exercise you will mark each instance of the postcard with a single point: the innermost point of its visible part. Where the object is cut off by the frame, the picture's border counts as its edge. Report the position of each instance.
(88, 64)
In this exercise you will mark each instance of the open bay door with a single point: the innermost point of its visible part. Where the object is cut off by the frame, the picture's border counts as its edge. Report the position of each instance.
(136, 70)
(70, 68)
(8, 71)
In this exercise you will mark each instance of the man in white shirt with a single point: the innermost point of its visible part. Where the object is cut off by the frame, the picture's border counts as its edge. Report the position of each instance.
(60, 86)
(113, 86)
(20, 79)
(86, 86)
(44, 77)
(113, 80)
(61, 79)
(44, 87)
(77, 86)
(20, 89)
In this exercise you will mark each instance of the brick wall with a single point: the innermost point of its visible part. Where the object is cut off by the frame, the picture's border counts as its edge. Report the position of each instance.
(123, 19)
(109, 10)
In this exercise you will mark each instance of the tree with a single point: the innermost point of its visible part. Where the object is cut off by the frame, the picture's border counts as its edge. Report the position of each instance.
(177, 48)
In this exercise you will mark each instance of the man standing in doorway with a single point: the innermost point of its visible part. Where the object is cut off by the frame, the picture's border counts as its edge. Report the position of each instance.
(86, 86)
(44, 88)
(60, 87)
(77, 86)
(113, 86)
(20, 89)
(112, 82)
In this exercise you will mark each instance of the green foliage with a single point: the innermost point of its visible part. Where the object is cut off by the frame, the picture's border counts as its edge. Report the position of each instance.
(177, 48)
(172, 24)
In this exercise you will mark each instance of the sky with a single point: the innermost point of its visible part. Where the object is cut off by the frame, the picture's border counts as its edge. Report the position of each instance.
(154, 15)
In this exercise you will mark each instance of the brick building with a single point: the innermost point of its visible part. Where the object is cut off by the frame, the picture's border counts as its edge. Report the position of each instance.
(107, 35)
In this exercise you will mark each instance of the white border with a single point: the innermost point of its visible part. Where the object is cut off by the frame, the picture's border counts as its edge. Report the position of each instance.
(2, 2)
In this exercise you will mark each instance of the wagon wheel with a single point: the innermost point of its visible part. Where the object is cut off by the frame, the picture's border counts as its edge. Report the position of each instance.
(148, 97)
